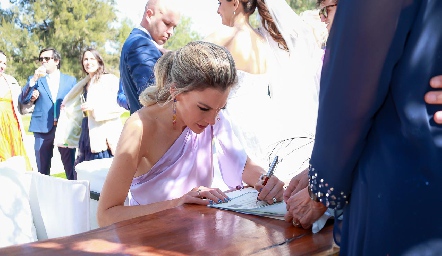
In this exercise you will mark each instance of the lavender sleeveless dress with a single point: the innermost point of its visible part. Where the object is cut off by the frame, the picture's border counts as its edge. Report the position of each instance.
(188, 164)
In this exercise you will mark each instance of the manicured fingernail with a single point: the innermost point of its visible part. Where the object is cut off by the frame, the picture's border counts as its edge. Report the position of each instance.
(431, 98)
(210, 202)
(436, 82)
(226, 200)
(220, 201)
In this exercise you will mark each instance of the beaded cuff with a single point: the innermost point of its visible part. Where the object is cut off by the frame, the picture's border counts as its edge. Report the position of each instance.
(327, 195)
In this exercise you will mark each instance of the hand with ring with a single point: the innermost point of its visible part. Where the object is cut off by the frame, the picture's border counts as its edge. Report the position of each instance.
(203, 195)
(272, 192)
(302, 211)
(296, 223)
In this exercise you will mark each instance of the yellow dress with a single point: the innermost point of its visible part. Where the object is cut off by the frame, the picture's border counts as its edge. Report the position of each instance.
(11, 141)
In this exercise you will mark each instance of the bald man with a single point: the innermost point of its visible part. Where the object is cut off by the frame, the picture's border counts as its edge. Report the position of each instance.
(143, 48)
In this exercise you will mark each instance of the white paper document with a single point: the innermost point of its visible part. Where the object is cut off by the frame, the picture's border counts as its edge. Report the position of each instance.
(245, 201)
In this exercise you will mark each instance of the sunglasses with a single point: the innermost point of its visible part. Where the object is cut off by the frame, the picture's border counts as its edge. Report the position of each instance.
(45, 58)
(324, 10)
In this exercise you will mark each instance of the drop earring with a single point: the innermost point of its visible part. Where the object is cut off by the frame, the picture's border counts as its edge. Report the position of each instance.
(174, 112)
(233, 13)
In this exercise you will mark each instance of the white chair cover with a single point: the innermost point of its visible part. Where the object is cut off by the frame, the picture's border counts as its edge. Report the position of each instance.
(60, 207)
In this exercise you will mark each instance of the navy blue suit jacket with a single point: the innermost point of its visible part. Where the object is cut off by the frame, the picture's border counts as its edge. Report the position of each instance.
(377, 145)
(137, 61)
(42, 119)
(121, 97)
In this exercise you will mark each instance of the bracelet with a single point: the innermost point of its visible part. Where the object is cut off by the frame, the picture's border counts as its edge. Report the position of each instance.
(312, 195)
(262, 177)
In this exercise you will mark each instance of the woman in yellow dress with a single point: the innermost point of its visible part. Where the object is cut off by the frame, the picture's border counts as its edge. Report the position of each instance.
(11, 127)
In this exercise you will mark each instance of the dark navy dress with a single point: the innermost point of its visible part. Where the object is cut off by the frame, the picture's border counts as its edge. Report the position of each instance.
(378, 152)
(84, 147)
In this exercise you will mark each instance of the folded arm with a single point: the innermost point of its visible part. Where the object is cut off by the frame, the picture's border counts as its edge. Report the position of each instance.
(27, 94)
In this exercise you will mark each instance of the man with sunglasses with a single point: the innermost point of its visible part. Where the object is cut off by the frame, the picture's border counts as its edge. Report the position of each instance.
(46, 90)
(327, 10)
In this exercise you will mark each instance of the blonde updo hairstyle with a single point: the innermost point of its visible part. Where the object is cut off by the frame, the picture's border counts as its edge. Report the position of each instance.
(196, 66)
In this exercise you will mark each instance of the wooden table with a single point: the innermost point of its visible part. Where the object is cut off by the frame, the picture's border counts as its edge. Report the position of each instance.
(189, 230)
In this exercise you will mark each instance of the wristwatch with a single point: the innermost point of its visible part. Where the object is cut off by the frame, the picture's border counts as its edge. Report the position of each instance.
(312, 195)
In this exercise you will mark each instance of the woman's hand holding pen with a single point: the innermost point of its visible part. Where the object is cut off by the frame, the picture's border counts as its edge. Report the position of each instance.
(203, 195)
(271, 189)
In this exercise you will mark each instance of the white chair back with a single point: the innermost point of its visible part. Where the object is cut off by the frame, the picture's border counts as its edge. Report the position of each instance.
(60, 207)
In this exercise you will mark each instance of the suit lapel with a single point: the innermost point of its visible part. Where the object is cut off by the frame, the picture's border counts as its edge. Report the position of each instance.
(45, 85)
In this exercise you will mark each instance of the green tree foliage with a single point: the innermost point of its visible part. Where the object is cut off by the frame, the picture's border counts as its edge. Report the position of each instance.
(19, 46)
(112, 56)
(302, 5)
(183, 34)
(68, 26)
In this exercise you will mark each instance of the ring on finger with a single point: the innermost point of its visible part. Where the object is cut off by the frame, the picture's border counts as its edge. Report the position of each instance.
(296, 224)
(199, 193)
(274, 200)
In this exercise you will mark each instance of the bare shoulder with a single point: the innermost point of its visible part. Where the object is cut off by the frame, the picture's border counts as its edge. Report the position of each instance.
(137, 137)
(140, 123)
(222, 36)
(247, 46)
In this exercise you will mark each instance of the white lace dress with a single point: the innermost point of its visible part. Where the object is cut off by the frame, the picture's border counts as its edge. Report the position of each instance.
(250, 109)
(266, 127)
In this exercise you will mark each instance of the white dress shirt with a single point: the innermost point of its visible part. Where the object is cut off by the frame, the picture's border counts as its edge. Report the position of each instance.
(147, 32)
(53, 80)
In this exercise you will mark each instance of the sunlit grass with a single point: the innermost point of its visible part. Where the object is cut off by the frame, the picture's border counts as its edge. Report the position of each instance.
(60, 175)
(26, 119)
(125, 116)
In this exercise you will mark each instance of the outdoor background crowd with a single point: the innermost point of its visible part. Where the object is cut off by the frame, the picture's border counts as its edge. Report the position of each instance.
(371, 151)
(71, 26)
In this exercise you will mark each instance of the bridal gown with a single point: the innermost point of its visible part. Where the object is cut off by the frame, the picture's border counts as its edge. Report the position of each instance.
(267, 127)
(249, 108)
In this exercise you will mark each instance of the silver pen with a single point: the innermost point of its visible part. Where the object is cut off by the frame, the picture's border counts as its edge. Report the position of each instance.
(271, 170)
